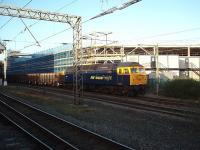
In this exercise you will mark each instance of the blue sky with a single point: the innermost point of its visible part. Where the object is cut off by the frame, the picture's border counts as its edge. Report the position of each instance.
(149, 21)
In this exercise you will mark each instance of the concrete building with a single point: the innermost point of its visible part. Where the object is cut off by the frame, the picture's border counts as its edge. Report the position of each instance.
(47, 61)
(171, 60)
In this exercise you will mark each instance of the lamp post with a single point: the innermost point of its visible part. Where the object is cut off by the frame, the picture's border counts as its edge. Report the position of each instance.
(106, 34)
(5, 63)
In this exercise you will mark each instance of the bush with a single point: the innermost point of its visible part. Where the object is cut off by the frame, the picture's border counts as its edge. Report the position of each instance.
(182, 88)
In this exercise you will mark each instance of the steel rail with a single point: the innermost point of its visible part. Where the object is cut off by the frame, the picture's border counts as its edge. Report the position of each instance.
(41, 144)
(84, 138)
(153, 108)
(158, 100)
(176, 102)
(41, 133)
(138, 103)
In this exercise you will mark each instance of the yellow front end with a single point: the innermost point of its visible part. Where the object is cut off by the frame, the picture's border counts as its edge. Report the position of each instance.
(138, 76)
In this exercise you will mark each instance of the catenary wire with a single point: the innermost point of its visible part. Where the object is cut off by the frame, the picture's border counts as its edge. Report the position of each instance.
(171, 33)
(30, 32)
(52, 36)
(22, 31)
(165, 34)
(55, 33)
(13, 17)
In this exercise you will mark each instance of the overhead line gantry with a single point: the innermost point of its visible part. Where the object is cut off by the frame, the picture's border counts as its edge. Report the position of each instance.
(74, 21)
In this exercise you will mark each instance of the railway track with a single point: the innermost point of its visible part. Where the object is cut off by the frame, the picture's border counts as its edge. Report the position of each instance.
(11, 118)
(50, 131)
(175, 102)
(14, 137)
(162, 106)
(158, 100)
(47, 139)
(192, 115)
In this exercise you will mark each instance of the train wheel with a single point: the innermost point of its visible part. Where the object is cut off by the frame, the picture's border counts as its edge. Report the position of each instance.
(143, 91)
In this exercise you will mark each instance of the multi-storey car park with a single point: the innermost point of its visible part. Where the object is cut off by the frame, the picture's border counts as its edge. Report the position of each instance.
(47, 66)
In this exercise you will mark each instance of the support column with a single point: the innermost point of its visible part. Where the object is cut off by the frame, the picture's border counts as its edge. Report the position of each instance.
(157, 69)
(188, 51)
(5, 67)
(77, 61)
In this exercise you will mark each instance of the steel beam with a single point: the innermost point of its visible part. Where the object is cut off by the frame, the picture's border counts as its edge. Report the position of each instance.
(77, 54)
(36, 14)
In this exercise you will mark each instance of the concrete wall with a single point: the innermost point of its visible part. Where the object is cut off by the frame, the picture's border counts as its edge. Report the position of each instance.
(169, 61)
(165, 61)
(190, 62)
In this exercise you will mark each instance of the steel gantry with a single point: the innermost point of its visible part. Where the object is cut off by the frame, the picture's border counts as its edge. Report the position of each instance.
(76, 24)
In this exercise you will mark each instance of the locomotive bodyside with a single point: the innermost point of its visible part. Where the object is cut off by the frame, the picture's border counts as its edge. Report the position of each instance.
(124, 78)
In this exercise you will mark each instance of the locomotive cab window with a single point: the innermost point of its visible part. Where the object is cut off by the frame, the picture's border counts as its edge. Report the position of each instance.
(141, 69)
(134, 70)
(126, 71)
(120, 71)
(123, 71)
(137, 70)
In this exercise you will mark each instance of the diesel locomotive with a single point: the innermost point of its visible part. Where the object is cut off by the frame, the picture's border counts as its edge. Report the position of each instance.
(128, 78)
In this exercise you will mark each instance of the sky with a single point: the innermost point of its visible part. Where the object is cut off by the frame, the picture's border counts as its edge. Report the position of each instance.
(146, 22)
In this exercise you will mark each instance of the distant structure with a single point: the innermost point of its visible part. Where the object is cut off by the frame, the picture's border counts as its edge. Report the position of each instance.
(172, 60)
(3, 64)
(168, 61)
(48, 61)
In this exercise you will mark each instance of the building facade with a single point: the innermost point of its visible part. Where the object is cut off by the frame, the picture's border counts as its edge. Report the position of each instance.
(48, 61)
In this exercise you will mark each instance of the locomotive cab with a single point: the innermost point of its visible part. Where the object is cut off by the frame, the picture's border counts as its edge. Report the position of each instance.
(138, 76)
(135, 74)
